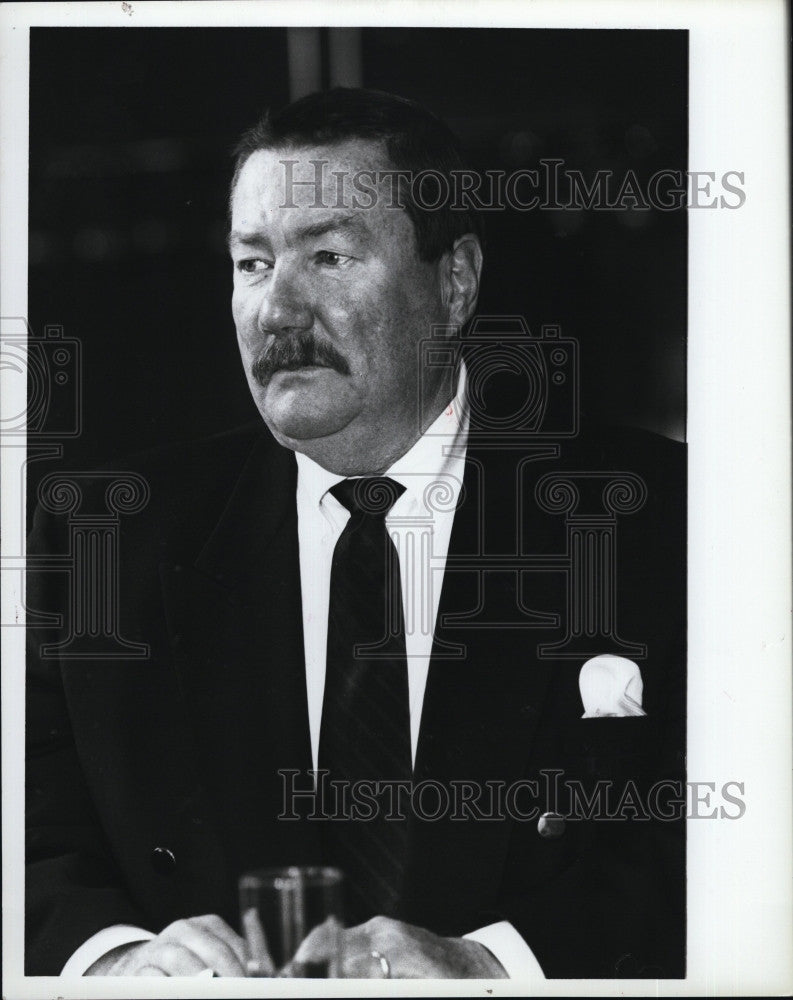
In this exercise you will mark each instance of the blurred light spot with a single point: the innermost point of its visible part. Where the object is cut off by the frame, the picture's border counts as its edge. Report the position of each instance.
(519, 148)
(41, 247)
(98, 244)
(634, 218)
(159, 155)
(113, 159)
(567, 221)
(639, 141)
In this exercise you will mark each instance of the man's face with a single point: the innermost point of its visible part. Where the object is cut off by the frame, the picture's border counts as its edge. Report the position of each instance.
(330, 304)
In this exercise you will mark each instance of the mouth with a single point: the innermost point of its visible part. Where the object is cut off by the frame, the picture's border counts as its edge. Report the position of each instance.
(288, 373)
(292, 369)
(301, 354)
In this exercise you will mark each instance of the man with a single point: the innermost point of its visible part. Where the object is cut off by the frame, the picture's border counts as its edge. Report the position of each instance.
(274, 576)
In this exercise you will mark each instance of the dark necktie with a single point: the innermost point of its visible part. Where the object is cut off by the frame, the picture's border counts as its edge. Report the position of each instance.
(365, 730)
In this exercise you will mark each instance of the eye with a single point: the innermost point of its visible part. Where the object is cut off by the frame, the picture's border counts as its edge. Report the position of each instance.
(332, 259)
(253, 265)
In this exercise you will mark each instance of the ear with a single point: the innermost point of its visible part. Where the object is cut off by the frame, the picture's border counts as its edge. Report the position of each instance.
(462, 269)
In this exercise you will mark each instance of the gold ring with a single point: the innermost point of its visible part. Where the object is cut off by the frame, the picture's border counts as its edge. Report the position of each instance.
(385, 968)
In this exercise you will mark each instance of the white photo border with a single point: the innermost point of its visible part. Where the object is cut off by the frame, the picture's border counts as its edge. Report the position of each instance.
(740, 938)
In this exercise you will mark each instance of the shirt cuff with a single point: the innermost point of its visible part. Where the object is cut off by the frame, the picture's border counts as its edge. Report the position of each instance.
(510, 949)
(100, 944)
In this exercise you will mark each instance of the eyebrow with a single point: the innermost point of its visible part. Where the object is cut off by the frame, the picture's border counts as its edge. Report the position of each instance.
(348, 221)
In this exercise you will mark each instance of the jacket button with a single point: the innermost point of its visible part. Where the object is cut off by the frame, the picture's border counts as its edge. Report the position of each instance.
(163, 860)
(551, 826)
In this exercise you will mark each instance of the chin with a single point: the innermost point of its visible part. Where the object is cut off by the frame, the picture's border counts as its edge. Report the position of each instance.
(292, 425)
(297, 410)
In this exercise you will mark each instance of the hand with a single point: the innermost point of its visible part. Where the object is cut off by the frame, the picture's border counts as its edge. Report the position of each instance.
(411, 953)
(184, 948)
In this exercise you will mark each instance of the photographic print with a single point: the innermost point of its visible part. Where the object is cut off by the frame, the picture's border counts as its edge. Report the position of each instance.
(358, 509)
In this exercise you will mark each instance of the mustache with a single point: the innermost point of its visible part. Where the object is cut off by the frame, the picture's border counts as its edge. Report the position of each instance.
(299, 350)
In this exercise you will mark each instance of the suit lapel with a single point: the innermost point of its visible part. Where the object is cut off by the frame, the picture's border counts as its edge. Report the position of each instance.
(235, 618)
(481, 708)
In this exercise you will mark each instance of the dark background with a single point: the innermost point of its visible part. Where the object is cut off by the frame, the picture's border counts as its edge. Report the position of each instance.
(130, 138)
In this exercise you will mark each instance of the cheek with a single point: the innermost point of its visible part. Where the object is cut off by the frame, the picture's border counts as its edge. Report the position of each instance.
(384, 306)
(341, 318)
(355, 320)
(243, 312)
(379, 327)
(237, 303)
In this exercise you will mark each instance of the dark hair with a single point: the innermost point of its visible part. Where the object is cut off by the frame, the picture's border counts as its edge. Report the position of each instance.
(414, 138)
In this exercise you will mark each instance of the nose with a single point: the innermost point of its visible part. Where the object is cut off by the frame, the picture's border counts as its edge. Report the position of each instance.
(284, 306)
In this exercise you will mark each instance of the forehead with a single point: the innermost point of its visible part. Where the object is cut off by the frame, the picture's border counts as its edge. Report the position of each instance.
(290, 186)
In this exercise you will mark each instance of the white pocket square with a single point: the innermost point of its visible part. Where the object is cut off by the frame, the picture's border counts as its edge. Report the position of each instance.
(610, 686)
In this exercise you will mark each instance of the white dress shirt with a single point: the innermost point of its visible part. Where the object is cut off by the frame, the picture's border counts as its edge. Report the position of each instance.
(420, 526)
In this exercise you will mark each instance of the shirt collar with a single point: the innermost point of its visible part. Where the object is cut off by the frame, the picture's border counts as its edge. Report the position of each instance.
(439, 452)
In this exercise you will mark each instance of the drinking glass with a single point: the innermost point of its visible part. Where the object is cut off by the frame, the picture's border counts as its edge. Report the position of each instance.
(280, 907)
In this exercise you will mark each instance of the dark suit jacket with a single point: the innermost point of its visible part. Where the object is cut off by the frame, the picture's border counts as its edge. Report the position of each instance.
(152, 783)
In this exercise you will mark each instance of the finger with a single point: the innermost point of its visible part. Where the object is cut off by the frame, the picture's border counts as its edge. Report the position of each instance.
(320, 946)
(366, 965)
(321, 943)
(147, 970)
(355, 947)
(383, 948)
(260, 962)
(173, 958)
(218, 926)
(213, 952)
(361, 952)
